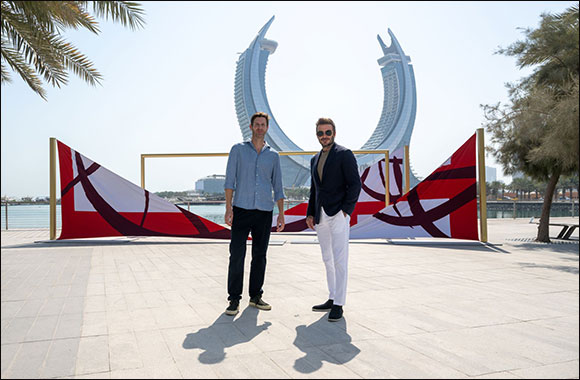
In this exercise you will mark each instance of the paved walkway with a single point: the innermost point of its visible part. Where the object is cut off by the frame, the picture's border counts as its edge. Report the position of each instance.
(153, 308)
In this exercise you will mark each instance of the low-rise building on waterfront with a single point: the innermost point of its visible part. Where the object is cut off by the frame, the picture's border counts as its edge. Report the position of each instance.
(212, 184)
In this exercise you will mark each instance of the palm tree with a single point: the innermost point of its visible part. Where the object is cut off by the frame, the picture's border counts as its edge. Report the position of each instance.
(33, 47)
(494, 187)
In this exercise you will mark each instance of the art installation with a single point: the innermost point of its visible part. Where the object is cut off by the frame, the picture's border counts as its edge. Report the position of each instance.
(443, 205)
(370, 200)
(393, 130)
(96, 202)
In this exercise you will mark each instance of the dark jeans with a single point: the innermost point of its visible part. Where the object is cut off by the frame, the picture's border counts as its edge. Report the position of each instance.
(259, 223)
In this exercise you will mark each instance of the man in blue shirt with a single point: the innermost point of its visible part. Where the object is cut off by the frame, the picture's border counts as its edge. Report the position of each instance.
(253, 171)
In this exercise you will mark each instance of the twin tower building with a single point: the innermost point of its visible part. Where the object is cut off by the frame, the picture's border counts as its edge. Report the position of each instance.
(392, 132)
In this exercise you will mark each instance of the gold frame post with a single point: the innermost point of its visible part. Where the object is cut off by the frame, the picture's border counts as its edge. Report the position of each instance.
(52, 189)
(387, 179)
(407, 170)
(482, 191)
(142, 171)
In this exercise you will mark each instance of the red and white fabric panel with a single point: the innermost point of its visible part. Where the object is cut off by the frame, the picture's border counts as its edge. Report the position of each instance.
(96, 202)
(371, 198)
(443, 205)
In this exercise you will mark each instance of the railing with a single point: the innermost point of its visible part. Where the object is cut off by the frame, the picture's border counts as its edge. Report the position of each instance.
(526, 209)
(20, 215)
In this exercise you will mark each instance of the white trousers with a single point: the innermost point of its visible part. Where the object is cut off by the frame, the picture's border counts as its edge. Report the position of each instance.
(333, 234)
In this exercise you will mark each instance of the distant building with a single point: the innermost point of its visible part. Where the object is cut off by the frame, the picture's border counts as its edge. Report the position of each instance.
(213, 184)
(490, 174)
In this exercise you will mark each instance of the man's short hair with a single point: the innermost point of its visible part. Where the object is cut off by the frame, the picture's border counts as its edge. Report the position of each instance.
(260, 114)
(326, 120)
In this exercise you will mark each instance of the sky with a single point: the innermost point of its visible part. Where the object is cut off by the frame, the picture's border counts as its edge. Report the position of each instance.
(169, 86)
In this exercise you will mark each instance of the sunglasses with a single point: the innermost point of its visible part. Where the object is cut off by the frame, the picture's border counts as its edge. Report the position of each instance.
(328, 132)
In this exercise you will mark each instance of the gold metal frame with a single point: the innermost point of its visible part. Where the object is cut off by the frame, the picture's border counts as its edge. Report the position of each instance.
(298, 153)
(52, 187)
(482, 192)
(407, 170)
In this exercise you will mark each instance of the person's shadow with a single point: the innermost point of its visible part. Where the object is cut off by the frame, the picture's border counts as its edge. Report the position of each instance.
(225, 333)
(323, 341)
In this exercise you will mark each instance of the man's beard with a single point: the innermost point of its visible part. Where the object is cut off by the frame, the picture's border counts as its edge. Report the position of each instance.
(329, 143)
(259, 135)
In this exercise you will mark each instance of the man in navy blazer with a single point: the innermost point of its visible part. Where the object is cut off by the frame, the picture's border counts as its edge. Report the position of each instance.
(334, 190)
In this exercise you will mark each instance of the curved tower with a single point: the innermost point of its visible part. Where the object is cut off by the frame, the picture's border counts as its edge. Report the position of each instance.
(250, 97)
(399, 104)
(393, 130)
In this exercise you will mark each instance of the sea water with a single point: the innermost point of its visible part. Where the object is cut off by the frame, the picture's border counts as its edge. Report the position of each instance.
(37, 216)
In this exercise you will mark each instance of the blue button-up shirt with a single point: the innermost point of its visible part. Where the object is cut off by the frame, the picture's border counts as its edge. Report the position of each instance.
(253, 175)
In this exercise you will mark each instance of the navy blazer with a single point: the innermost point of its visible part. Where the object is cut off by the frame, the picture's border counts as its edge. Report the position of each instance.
(340, 185)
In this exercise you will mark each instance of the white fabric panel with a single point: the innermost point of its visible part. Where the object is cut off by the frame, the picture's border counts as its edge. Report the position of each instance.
(119, 193)
(288, 219)
(374, 181)
(81, 201)
(373, 228)
(158, 204)
(363, 217)
(394, 189)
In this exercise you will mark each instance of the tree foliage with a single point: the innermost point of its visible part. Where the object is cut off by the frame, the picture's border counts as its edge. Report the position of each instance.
(33, 45)
(537, 133)
(552, 48)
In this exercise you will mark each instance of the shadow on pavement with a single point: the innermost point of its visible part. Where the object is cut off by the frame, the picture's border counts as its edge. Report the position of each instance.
(561, 268)
(437, 244)
(223, 333)
(323, 341)
(96, 243)
(124, 241)
(557, 248)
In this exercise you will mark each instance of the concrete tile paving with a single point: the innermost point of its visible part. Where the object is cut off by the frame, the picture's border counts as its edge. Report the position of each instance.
(153, 308)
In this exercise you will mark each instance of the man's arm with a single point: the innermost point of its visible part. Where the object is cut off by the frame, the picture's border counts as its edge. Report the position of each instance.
(229, 208)
(281, 222)
(278, 193)
(353, 184)
(277, 180)
(311, 211)
(230, 185)
(312, 198)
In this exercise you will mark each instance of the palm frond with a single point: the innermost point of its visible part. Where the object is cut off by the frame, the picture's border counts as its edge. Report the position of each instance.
(26, 72)
(32, 44)
(5, 78)
(128, 13)
(35, 46)
(74, 15)
(77, 62)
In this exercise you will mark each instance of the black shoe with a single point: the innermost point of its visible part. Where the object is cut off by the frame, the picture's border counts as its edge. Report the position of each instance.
(323, 307)
(234, 308)
(335, 313)
(259, 303)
